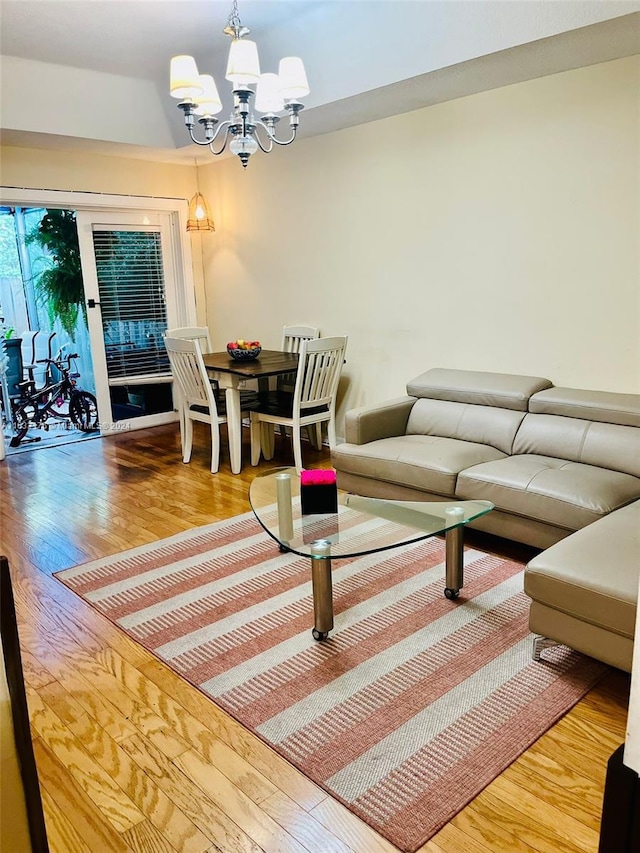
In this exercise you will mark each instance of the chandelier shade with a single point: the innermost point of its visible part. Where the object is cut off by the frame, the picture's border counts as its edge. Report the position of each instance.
(268, 95)
(245, 132)
(184, 77)
(293, 79)
(208, 103)
(243, 65)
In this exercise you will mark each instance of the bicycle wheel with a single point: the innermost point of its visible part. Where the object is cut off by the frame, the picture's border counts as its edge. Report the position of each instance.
(24, 416)
(83, 410)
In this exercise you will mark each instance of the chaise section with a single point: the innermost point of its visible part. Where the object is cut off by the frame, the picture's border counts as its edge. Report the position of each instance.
(584, 589)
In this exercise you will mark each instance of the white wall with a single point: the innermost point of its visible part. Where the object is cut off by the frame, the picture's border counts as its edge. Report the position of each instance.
(496, 232)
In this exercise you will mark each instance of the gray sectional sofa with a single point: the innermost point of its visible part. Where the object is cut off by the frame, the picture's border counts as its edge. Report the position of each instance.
(562, 467)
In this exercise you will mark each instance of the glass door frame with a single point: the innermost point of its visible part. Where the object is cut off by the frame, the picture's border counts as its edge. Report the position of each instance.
(106, 205)
(155, 222)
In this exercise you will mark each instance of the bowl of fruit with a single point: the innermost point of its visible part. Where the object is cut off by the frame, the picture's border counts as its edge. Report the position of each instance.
(243, 350)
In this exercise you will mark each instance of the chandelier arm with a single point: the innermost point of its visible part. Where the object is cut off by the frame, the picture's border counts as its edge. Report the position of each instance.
(224, 124)
(226, 139)
(269, 146)
(272, 136)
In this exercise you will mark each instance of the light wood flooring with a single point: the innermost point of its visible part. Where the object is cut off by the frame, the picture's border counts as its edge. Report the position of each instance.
(131, 758)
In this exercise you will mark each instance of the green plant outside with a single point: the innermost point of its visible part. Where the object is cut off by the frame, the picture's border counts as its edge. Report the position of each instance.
(60, 286)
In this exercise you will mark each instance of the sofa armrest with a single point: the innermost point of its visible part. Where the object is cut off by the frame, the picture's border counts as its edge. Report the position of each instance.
(382, 420)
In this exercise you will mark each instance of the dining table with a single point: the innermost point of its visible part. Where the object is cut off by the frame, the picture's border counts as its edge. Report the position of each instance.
(232, 375)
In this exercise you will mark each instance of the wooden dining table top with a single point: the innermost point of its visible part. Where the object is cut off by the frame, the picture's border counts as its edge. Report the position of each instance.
(268, 363)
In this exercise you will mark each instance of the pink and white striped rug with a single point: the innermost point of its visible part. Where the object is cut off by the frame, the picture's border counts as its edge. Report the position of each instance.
(411, 707)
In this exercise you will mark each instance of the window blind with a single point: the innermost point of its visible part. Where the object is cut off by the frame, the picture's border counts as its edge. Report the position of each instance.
(132, 299)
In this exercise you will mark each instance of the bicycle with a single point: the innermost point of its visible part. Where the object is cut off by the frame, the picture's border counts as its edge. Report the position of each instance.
(59, 398)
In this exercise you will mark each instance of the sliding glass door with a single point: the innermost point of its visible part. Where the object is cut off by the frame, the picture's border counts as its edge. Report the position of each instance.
(128, 268)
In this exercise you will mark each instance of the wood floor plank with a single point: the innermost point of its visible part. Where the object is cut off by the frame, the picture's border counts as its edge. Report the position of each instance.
(35, 675)
(304, 827)
(145, 838)
(252, 819)
(61, 702)
(350, 829)
(86, 819)
(568, 832)
(450, 839)
(560, 784)
(498, 827)
(97, 784)
(61, 833)
(160, 811)
(190, 799)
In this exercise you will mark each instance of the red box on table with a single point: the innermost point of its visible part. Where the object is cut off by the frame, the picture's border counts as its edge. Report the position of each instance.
(318, 492)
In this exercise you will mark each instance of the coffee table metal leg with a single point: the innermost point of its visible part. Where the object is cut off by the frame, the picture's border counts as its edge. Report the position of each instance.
(454, 572)
(322, 590)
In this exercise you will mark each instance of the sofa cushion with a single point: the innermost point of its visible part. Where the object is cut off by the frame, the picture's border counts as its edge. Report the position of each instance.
(604, 406)
(578, 440)
(504, 390)
(429, 463)
(479, 424)
(555, 491)
(593, 574)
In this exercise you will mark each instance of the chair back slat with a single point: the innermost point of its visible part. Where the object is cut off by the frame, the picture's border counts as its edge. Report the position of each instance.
(319, 371)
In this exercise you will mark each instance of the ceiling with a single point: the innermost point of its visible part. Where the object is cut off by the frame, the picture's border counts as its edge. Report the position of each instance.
(93, 74)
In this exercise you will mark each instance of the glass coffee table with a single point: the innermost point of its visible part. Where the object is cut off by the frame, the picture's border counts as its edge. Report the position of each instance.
(352, 531)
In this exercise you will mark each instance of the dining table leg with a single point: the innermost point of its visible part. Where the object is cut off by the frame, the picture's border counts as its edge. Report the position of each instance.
(234, 428)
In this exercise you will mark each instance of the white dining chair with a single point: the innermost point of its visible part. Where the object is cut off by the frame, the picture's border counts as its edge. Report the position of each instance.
(197, 399)
(292, 338)
(313, 401)
(192, 333)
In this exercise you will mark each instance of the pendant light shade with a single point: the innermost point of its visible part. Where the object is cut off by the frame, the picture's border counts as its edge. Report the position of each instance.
(200, 218)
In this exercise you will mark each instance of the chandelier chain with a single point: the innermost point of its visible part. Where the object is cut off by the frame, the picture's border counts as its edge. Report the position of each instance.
(234, 18)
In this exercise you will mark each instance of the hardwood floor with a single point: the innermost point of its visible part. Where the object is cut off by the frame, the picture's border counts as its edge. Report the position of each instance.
(131, 758)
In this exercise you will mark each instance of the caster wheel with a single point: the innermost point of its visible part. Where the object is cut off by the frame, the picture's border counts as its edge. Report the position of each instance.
(319, 635)
(451, 594)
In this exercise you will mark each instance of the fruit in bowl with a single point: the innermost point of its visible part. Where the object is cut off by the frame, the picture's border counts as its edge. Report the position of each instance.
(243, 350)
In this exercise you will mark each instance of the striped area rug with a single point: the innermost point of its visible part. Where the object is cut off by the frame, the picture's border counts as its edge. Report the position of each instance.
(411, 707)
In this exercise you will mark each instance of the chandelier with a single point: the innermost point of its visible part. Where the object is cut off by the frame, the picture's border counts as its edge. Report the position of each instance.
(274, 93)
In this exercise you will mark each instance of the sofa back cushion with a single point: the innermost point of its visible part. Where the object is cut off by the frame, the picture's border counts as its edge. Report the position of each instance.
(480, 424)
(603, 406)
(503, 390)
(577, 440)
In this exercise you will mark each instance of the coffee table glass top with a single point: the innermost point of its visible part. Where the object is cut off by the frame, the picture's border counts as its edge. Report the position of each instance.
(361, 525)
